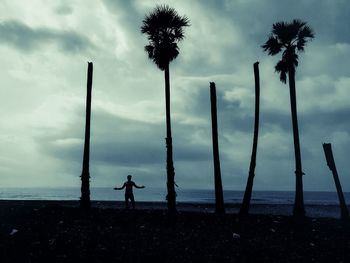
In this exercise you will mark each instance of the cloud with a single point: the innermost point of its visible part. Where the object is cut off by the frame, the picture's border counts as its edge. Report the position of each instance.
(119, 141)
(43, 93)
(64, 10)
(26, 38)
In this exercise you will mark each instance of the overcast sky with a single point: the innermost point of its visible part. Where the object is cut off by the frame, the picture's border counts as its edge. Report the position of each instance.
(44, 50)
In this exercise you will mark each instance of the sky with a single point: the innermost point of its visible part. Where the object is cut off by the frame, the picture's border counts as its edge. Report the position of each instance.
(44, 49)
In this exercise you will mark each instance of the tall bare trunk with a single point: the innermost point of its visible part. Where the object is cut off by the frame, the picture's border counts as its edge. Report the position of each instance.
(249, 188)
(327, 147)
(219, 197)
(298, 209)
(171, 196)
(85, 175)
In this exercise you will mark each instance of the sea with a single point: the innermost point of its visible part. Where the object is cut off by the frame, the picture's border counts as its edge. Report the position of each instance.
(158, 195)
(273, 202)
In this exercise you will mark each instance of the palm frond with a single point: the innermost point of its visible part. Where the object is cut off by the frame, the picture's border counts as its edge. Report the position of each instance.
(278, 28)
(280, 31)
(295, 26)
(293, 29)
(290, 37)
(304, 35)
(150, 51)
(272, 46)
(162, 18)
(301, 44)
(282, 68)
(164, 28)
(306, 32)
(290, 57)
(298, 23)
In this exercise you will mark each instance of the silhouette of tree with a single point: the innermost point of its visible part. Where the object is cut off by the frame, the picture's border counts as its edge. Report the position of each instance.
(327, 147)
(249, 187)
(291, 38)
(164, 29)
(85, 175)
(219, 196)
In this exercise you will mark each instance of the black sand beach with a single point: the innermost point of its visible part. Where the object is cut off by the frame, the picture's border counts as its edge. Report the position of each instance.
(55, 231)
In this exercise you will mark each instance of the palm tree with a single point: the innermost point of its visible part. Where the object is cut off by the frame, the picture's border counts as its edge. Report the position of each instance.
(164, 29)
(249, 187)
(85, 174)
(291, 38)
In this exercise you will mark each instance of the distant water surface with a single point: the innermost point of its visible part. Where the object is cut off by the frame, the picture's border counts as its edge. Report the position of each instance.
(158, 194)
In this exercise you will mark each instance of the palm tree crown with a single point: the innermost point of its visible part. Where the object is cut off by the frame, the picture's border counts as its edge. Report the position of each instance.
(164, 28)
(291, 37)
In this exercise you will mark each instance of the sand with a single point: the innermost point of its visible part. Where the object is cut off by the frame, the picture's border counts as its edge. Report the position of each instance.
(54, 231)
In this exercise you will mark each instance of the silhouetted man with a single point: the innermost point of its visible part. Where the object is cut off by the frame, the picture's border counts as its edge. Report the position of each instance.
(128, 191)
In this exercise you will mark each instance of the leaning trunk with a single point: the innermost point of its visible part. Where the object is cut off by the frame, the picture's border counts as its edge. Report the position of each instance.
(85, 175)
(327, 147)
(299, 209)
(249, 188)
(219, 197)
(171, 196)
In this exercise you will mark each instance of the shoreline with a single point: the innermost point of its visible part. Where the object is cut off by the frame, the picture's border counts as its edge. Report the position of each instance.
(312, 211)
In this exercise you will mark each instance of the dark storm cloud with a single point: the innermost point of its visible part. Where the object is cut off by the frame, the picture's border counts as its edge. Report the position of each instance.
(323, 122)
(120, 141)
(231, 114)
(327, 121)
(280, 119)
(326, 17)
(26, 38)
(128, 15)
(253, 21)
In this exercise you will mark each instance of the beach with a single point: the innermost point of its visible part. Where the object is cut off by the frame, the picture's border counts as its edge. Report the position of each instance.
(58, 231)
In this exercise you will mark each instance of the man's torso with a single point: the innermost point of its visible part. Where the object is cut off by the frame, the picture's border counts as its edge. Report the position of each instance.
(128, 187)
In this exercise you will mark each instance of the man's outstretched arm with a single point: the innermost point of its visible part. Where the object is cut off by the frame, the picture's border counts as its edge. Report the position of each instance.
(142, 186)
(120, 188)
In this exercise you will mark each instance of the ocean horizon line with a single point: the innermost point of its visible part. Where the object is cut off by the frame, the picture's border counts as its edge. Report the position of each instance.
(159, 188)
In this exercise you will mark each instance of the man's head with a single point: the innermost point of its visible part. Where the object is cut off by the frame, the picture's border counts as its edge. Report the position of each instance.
(129, 177)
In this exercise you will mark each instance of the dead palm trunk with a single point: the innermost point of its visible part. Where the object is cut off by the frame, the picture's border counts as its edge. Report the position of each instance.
(85, 175)
(327, 147)
(171, 196)
(249, 188)
(219, 197)
(298, 209)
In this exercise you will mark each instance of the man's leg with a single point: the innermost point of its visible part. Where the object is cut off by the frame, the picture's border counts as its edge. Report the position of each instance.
(126, 201)
(132, 201)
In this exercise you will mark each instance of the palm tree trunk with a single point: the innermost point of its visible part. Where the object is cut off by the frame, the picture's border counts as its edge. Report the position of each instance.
(171, 196)
(85, 175)
(298, 209)
(327, 147)
(249, 188)
(219, 197)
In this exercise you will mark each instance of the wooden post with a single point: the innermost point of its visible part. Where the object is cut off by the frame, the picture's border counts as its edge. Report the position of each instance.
(219, 197)
(85, 175)
(327, 147)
